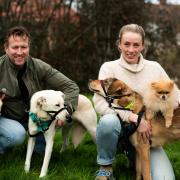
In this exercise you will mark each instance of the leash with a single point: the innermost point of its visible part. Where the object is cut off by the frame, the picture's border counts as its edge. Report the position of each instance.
(42, 125)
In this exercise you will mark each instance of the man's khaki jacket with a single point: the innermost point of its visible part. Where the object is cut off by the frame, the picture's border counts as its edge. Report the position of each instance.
(38, 76)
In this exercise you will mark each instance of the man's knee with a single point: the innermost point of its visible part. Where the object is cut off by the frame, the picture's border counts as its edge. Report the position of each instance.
(19, 136)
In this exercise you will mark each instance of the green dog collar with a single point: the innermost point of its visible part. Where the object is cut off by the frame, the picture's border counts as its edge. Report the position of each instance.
(41, 125)
(130, 106)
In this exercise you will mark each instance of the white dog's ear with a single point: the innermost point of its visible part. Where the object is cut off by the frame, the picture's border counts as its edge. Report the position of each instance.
(41, 101)
(62, 94)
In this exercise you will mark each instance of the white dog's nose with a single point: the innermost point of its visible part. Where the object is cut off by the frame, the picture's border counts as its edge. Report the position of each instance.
(68, 118)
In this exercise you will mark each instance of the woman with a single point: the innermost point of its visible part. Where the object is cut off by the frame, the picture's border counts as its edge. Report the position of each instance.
(137, 73)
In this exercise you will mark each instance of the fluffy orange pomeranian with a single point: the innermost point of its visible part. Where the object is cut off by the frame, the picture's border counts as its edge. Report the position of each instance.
(161, 96)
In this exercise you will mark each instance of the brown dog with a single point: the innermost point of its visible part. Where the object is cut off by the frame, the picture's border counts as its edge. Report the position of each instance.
(160, 134)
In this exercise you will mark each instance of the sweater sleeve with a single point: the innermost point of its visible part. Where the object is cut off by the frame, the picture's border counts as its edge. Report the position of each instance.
(100, 103)
(55, 80)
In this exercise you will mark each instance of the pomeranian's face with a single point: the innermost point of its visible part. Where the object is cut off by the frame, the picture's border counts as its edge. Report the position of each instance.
(162, 89)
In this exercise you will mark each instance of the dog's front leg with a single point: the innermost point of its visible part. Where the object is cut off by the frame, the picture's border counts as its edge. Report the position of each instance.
(30, 148)
(168, 115)
(149, 114)
(145, 161)
(138, 165)
(49, 137)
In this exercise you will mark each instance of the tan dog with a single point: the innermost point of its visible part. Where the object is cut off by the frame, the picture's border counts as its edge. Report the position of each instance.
(161, 96)
(160, 134)
(48, 106)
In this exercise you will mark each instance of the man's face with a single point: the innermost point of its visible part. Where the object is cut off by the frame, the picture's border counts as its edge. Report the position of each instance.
(17, 49)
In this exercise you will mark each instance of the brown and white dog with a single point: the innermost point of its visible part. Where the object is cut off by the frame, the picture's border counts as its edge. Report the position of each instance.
(160, 134)
(49, 105)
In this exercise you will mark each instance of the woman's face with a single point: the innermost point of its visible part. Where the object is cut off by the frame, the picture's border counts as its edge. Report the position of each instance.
(131, 46)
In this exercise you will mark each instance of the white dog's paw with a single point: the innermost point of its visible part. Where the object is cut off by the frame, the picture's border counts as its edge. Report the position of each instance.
(27, 168)
(42, 175)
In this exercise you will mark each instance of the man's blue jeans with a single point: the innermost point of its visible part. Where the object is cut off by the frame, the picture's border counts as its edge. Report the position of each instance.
(13, 133)
(107, 134)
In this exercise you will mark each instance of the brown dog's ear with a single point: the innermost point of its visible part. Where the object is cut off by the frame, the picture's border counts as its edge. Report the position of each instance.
(41, 101)
(109, 81)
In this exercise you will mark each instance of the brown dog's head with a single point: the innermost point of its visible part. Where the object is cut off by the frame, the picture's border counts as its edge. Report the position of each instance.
(112, 86)
(96, 86)
(124, 95)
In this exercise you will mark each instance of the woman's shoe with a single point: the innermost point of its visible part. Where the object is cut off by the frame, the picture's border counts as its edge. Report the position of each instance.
(104, 173)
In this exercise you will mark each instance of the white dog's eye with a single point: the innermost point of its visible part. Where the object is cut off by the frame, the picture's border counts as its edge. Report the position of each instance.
(58, 105)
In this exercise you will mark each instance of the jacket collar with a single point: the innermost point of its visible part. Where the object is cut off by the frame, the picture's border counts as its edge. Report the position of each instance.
(132, 67)
(13, 66)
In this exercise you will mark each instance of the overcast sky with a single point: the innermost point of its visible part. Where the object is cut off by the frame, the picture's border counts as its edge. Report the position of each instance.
(169, 1)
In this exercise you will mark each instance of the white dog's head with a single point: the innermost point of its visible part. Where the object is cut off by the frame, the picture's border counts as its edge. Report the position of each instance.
(49, 103)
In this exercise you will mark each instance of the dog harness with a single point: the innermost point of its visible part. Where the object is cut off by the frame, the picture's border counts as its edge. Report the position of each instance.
(109, 98)
(43, 125)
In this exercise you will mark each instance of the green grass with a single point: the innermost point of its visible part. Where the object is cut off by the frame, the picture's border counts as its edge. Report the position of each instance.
(79, 164)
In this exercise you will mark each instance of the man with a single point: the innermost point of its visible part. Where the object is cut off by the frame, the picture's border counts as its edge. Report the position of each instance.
(22, 75)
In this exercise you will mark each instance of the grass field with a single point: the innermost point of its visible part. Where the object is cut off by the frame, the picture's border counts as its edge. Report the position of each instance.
(79, 164)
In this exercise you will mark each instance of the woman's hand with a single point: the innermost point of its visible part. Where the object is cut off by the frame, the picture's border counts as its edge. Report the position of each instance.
(144, 131)
(133, 118)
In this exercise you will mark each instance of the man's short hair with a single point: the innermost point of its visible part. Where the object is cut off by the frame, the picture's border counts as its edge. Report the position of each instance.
(19, 31)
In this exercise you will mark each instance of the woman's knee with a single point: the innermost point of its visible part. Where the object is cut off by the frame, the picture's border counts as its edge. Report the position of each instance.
(109, 123)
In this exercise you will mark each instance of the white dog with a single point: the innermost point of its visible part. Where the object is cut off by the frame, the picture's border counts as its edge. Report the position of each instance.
(48, 106)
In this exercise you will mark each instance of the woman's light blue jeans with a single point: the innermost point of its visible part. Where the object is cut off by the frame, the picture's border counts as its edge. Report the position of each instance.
(12, 133)
(107, 134)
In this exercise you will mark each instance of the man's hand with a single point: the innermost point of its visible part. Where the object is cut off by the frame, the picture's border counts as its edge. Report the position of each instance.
(59, 123)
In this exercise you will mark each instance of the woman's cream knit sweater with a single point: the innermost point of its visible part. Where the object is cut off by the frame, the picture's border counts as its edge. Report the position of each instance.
(137, 76)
